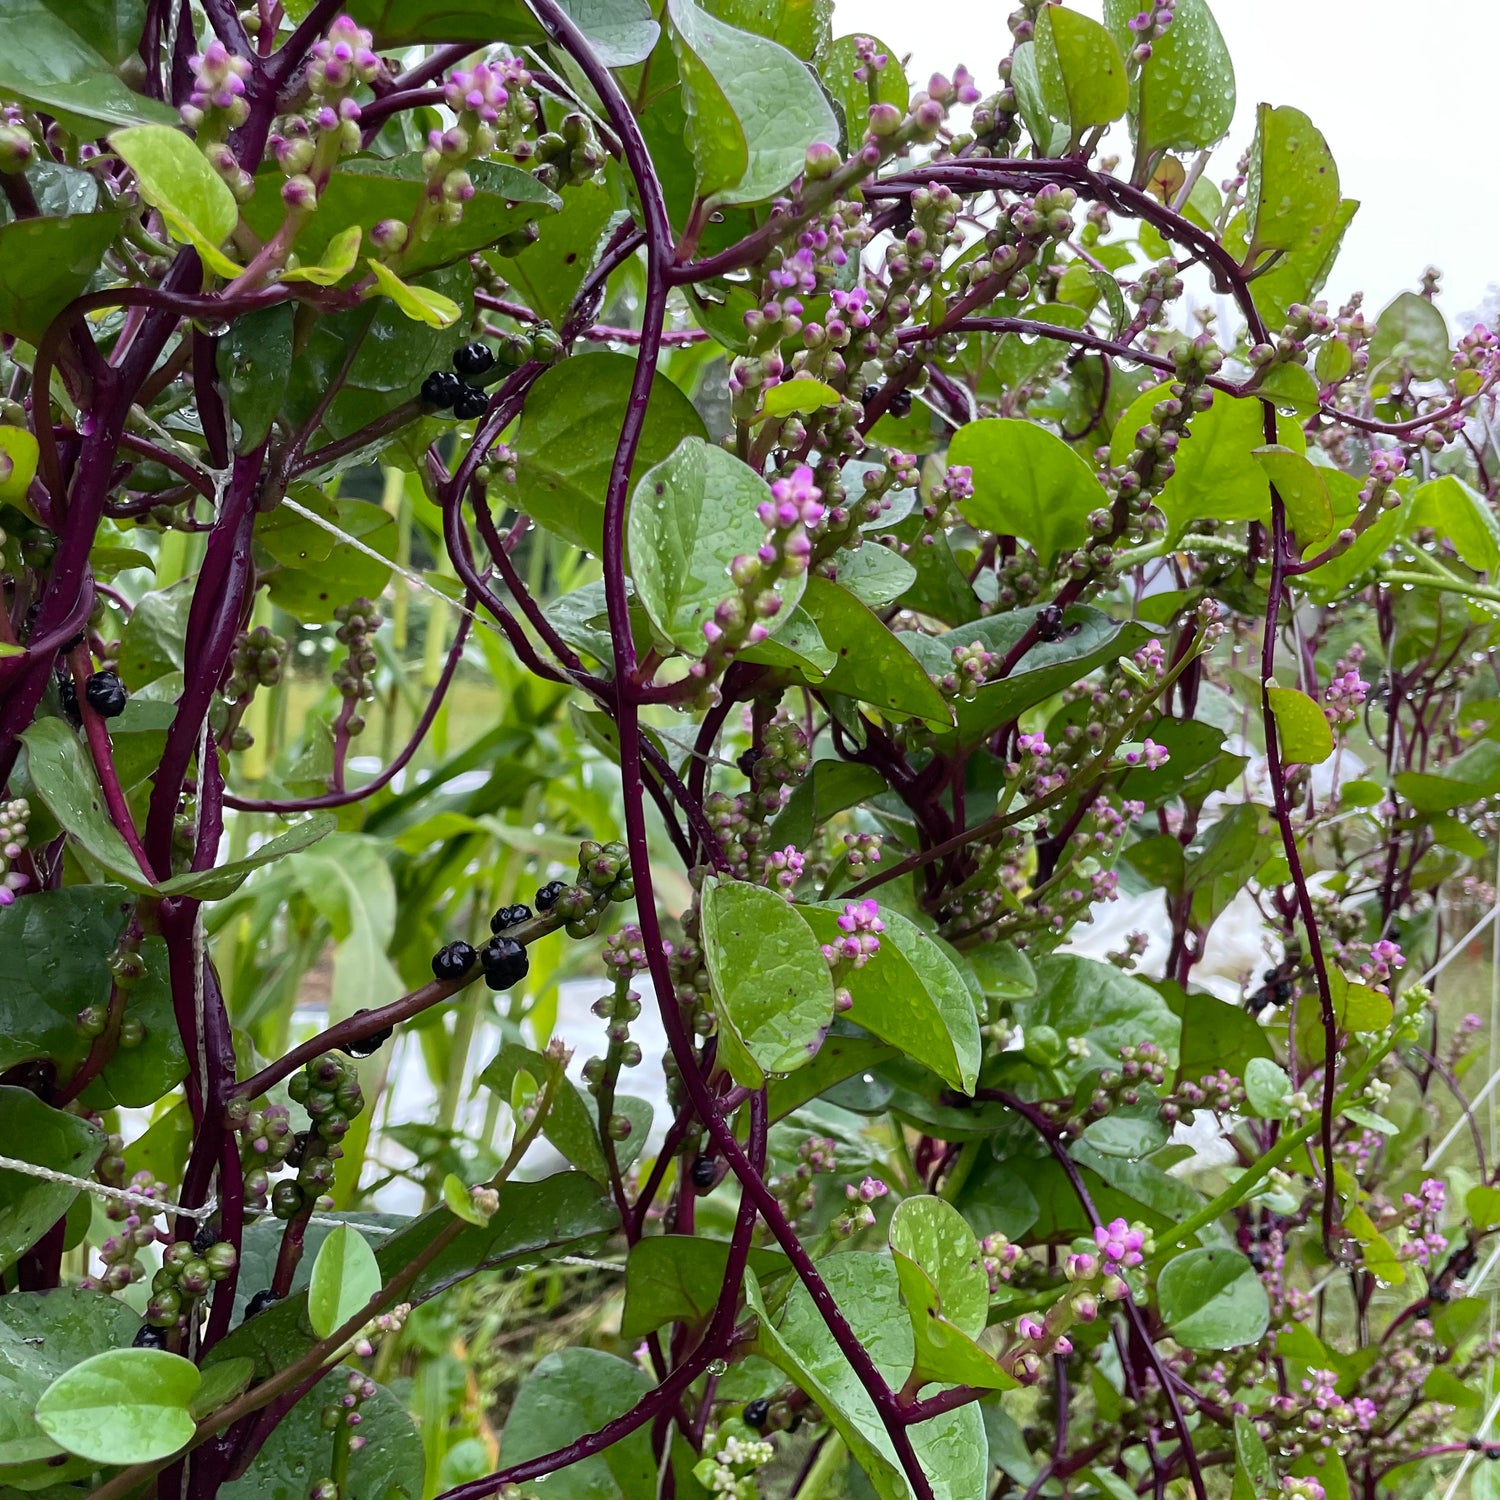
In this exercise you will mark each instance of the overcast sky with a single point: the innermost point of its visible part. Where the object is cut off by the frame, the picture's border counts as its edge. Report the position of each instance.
(1405, 94)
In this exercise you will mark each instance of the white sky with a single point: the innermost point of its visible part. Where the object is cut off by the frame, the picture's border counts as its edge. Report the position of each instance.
(1405, 94)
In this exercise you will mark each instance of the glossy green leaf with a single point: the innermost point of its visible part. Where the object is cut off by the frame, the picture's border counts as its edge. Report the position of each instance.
(47, 1137)
(61, 772)
(1457, 783)
(1254, 1474)
(829, 788)
(1089, 65)
(571, 1123)
(18, 461)
(677, 1278)
(547, 275)
(797, 645)
(1292, 187)
(873, 665)
(317, 571)
(1411, 340)
(60, 56)
(128, 1406)
(690, 516)
(874, 574)
(173, 175)
(45, 263)
(223, 880)
(910, 994)
(221, 1384)
(853, 95)
(1302, 729)
(1482, 1204)
(1309, 511)
(1184, 97)
(772, 989)
(951, 1448)
(1357, 1006)
(796, 396)
(42, 1334)
(339, 258)
(344, 1279)
(1212, 1299)
(573, 1392)
(390, 1465)
(746, 98)
(1301, 274)
(418, 302)
(1090, 639)
(254, 360)
(1267, 1088)
(1027, 483)
(622, 31)
(1460, 516)
(567, 440)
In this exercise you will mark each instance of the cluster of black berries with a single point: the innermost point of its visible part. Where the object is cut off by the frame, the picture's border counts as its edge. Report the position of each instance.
(104, 691)
(185, 1277)
(448, 391)
(504, 960)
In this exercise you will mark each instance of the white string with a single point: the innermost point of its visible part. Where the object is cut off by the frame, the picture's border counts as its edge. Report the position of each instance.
(104, 1190)
(1469, 1457)
(568, 1260)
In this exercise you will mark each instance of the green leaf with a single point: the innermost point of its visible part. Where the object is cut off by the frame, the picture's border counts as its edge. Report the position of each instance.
(367, 189)
(1212, 1299)
(568, 434)
(64, 778)
(1090, 639)
(43, 1334)
(1267, 1088)
(797, 645)
(873, 665)
(876, 575)
(1457, 783)
(1027, 482)
(829, 788)
(573, 1392)
(60, 57)
(1460, 516)
(748, 100)
(174, 176)
(1411, 339)
(46, 1137)
(773, 992)
(223, 880)
(1254, 1474)
(1292, 187)
(852, 95)
(1090, 67)
(418, 302)
(548, 274)
(1482, 1204)
(129, 1406)
(254, 360)
(1184, 97)
(1327, 1467)
(1309, 511)
(1357, 1007)
(947, 1294)
(1081, 997)
(951, 1448)
(690, 517)
(221, 1384)
(390, 1465)
(571, 1123)
(344, 1279)
(319, 572)
(339, 259)
(1302, 729)
(622, 30)
(45, 263)
(799, 395)
(18, 460)
(676, 1278)
(911, 995)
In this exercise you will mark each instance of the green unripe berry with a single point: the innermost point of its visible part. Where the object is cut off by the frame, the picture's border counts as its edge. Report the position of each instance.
(132, 1033)
(287, 1200)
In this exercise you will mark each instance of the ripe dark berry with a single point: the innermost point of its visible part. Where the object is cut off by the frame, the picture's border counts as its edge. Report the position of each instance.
(148, 1336)
(470, 403)
(367, 1046)
(106, 695)
(441, 389)
(869, 393)
(756, 1412)
(453, 962)
(746, 761)
(546, 898)
(208, 1234)
(900, 404)
(510, 916)
(505, 963)
(703, 1173)
(67, 698)
(473, 359)
(260, 1302)
(1049, 623)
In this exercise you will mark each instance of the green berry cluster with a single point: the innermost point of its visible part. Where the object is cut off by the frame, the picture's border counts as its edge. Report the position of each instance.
(328, 1089)
(355, 677)
(257, 661)
(569, 155)
(185, 1278)
(603, 876)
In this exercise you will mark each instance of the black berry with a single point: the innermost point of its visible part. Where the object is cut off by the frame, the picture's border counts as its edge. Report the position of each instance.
(473, 359)
(366, 1046)
(67, 698)
(703, 1173)
(505, 963)
(147, 1336)
(869, 393)
(260, 1302)
(106, 695)
(756, 1412)
(453, 962)
(470, 403)
(510, 916)
(900, 404)
(546, 898)
(1049, 623)
(441, 389)
(747, 760)
(207, 1235)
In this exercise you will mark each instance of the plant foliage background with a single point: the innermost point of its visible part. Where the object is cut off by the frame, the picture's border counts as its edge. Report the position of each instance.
(897, 587)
